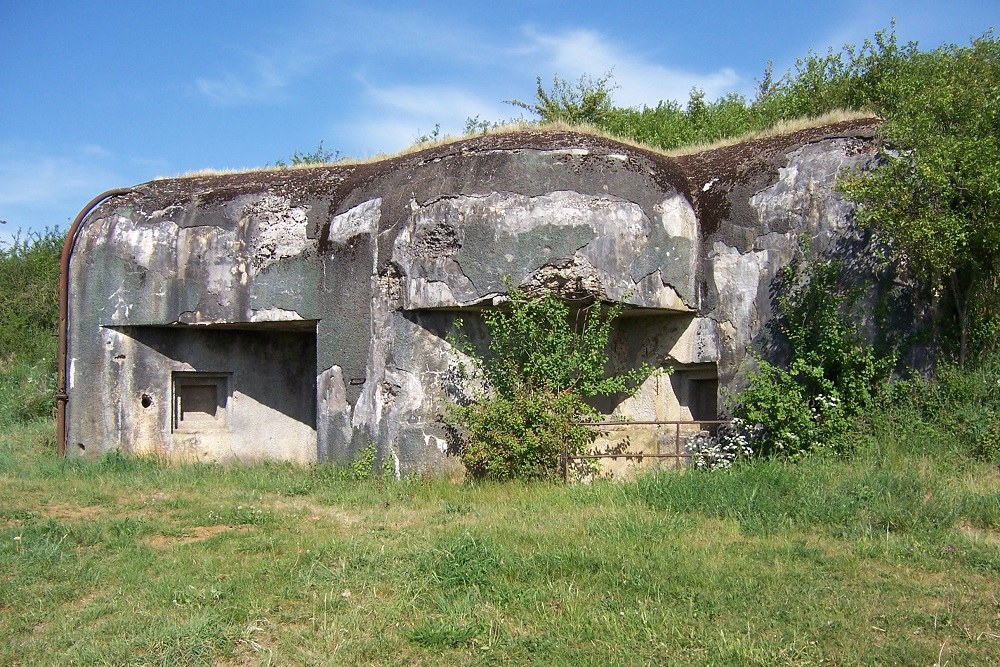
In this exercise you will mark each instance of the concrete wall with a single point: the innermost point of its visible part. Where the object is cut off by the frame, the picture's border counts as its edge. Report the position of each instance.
(266, 393)
(376, 261)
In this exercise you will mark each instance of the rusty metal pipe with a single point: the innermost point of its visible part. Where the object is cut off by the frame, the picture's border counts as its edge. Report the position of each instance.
(61, 395)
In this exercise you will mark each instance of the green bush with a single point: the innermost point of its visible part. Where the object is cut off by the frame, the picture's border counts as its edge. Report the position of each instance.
(541, 364)
(831, 378)
(522, 436)
(29, 314)
(855, 77)
(586, 101)
(964, 402)
(936, 188)
(319, 155)
(29, 295)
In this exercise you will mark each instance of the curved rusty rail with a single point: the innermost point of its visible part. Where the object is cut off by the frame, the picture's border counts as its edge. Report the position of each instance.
(61, 395)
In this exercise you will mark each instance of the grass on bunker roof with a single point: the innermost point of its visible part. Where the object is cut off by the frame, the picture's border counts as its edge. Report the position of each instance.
(124, 561)
(514, 127)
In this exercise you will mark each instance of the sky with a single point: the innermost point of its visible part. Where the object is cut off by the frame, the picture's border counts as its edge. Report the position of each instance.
(96, 95)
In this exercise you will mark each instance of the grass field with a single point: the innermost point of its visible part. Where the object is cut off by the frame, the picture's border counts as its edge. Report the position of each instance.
(876, 561)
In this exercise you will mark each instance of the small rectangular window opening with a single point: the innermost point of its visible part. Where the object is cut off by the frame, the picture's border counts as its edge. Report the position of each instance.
(200, 401)
(703, 398)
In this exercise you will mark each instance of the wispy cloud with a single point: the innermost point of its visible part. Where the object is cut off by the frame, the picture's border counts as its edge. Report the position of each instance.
(442, 102)
(382, 135)
(398, 113)
(41, 189)
(32, 179)
(341, 38)
(394, 114)
(265, 80)
(640, 82)
(452, 72)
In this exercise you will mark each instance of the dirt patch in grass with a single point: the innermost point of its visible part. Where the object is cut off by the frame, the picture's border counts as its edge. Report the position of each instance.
(69, 512)
(73, 513)
(87, 599)
(156, 497)
(196, 534)
(317, 512)
(987, 535)
(252, 647)
(67, 609)
(16, 518)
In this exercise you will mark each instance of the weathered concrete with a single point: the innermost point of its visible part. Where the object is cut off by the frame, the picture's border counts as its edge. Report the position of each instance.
(264, 385)
(320, 299)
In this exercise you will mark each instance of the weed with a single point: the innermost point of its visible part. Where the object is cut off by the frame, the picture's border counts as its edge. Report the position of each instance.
(363, 465)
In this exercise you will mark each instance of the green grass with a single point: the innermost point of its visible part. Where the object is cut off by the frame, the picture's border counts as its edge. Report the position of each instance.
(124, 561)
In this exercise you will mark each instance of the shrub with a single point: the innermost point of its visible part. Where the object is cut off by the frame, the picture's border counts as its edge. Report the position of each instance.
(854, 77)
(963, 402)
(732, 442)
(319, 155)
(586, 101)
(29, 295)
(832, 375)
(540, 366)
(523, 436)
(29, 314)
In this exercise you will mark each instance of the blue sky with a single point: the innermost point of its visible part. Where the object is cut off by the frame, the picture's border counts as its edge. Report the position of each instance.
(95, 95)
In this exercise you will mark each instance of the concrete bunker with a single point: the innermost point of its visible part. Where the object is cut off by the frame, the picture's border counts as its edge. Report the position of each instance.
(302, 314)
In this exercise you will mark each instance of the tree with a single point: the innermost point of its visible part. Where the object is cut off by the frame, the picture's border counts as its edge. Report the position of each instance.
(543, 361)
(935, 194)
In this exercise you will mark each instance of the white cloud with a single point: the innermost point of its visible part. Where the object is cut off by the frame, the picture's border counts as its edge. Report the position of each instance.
(438, 102)
(95, 150)
(46, 178)
(40, 189)
(640, 82)
(264, 83)
(394, 114)
(262, 77)
(382, 135)
(150, 165)
(397, 114)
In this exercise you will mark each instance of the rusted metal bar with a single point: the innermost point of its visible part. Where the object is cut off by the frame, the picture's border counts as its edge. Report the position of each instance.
(676, 423)
(636, 455)
(61, 392)
(667, 422)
